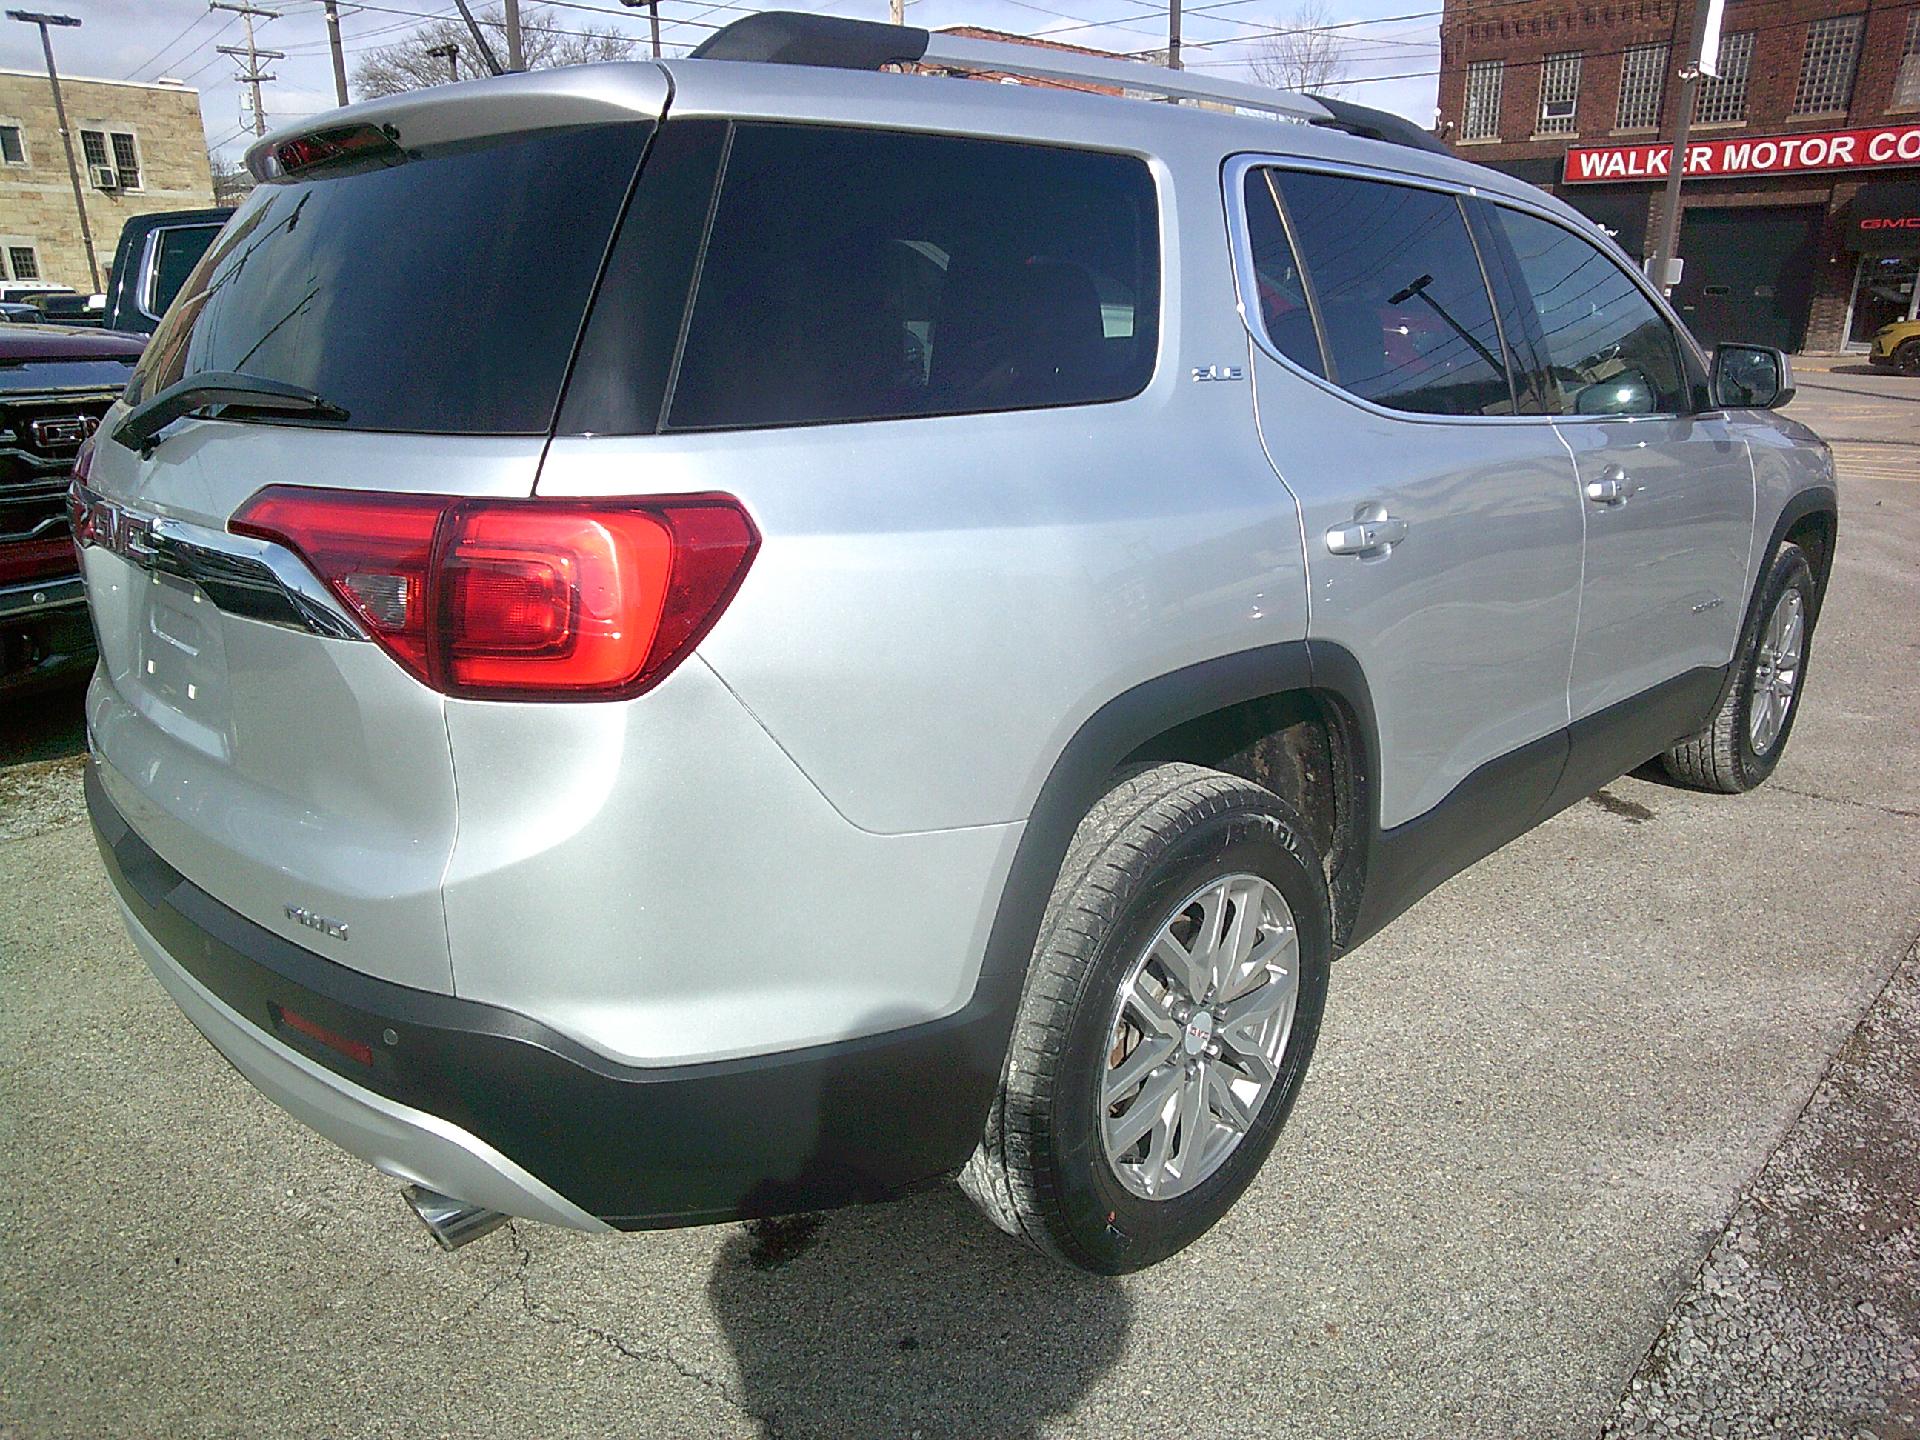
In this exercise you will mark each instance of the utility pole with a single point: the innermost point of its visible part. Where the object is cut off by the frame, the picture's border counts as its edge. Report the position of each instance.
(515, 61)
(253, 53)
(1701, 56)
(451, 54)
(1173, 34)
(339, 56)
(30, 17)
(653, 18)
(897, 11)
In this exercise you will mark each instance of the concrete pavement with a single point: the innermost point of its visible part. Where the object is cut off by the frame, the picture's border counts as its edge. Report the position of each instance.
(1539, 1099)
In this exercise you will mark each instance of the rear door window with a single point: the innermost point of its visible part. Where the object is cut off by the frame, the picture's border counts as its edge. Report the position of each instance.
(1404, 312)
(1604, 349)
(434, 290)
(865, 275)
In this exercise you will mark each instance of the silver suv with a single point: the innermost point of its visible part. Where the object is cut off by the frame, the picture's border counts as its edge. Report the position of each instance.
(914, 646)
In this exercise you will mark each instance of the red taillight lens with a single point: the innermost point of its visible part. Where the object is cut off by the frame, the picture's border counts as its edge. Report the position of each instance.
(373, 549)
(520, 599)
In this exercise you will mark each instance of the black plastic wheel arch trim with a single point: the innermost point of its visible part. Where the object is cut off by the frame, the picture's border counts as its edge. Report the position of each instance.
(1814, 500)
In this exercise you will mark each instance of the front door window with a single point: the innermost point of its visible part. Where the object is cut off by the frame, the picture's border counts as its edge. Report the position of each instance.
(1883, 292)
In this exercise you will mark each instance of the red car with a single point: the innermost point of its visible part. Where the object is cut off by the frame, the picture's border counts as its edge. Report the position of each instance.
(55, 383)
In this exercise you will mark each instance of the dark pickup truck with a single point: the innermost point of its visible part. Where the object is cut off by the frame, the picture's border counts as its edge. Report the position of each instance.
(156, 254)
(55, 384)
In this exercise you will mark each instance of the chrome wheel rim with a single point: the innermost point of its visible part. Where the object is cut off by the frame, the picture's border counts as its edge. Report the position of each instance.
(1197, 1035)
(1776, 671)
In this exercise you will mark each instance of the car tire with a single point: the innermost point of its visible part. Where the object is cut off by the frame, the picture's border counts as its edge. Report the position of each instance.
(1748, 733)
(1168, 853)
(1906, 359)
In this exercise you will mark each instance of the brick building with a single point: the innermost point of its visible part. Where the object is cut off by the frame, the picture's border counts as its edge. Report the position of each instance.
(1800, 215)
(139, 147)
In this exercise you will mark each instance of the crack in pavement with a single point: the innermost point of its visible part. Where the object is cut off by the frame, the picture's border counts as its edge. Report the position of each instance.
(548, 1315)
(1893, 810)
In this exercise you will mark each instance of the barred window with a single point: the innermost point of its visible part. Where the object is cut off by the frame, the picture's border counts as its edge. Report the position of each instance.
(1722, 98)
(1906, 80)
(24, 263)
(15, 153)
(1482, 120)
(1643, 83)
(93, 145)
(1826, 65)
(126, 159)
(1559, 93)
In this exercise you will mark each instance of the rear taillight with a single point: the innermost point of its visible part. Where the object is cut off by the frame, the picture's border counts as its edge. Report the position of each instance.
(520, 599)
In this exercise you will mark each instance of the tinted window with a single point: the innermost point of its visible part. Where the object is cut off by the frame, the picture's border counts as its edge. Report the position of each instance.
(1280, 290)
(1403, 305)
(426, 290)
(855, 275)
(177, 249)
(1605, 349)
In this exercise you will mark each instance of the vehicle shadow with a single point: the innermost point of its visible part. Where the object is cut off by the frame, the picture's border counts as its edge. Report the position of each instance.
(45, 725)
(914, 1318)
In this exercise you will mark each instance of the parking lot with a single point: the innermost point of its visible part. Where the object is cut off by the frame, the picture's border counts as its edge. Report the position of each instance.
(1596, 1139)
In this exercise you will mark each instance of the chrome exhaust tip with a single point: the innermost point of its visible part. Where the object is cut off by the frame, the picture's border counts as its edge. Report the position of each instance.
(452, 1222)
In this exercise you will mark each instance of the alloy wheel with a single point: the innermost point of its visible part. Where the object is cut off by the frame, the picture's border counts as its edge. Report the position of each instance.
(1197, 1036)
(1776, 671)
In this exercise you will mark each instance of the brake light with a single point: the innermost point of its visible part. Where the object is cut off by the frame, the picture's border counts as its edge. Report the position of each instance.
(520, 599)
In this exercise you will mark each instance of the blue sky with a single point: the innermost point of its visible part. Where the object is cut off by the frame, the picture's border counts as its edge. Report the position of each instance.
(146, 39)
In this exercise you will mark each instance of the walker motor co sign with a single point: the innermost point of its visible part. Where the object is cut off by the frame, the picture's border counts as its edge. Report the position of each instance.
(1876, 148)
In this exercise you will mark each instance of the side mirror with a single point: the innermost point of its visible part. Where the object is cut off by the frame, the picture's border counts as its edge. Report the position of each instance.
(1626, 393)
(1751, 377)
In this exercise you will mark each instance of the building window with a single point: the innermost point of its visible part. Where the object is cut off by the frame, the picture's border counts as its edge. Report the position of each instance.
(1826, 66)
(1559, 93)
(13, 149)
(1906, 80)
(22, 263)
(1643, 83)
(126, 160)
(112, 150)
(1482, 118)
(1722, 98)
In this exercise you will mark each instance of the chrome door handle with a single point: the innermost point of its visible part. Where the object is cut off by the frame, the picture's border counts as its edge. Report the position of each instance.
(1367, 536)
(1612, 488)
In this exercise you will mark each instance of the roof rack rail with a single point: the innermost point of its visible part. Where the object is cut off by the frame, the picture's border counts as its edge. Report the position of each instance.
(787, 37)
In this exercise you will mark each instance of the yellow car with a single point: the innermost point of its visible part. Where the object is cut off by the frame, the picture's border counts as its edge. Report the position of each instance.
(1897, 347)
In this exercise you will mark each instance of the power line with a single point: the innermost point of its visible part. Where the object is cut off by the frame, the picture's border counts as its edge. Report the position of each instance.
(169, 45)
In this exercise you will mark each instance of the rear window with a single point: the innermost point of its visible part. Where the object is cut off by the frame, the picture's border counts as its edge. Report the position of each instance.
(864, 275)
(434, 290)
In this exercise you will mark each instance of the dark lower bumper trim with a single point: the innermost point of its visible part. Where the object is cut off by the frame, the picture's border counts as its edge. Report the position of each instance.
(637, 1147)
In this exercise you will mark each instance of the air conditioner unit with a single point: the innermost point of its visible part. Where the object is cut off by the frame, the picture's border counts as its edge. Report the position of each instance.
(105, 177)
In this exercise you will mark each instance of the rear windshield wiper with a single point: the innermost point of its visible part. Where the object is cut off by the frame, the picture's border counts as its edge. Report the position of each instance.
(140, 427)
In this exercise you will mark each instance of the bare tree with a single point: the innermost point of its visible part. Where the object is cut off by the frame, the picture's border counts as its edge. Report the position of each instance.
(412, 65)
(231, 181)
(1303, 56)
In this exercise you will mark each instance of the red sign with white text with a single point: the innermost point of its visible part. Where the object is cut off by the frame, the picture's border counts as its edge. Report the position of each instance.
(1875, 148)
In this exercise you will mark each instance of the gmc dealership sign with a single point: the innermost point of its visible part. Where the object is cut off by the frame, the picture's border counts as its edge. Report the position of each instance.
(1875, 148)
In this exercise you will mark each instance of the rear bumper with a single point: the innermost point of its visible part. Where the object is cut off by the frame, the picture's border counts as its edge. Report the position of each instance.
(497, 1109)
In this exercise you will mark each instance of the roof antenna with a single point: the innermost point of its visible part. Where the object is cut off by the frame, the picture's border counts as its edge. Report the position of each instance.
(486, 50)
